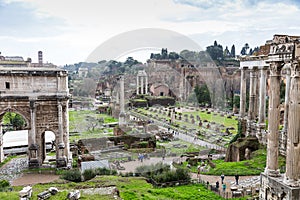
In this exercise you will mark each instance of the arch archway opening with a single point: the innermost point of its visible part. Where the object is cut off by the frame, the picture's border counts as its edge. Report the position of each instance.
(48, 146)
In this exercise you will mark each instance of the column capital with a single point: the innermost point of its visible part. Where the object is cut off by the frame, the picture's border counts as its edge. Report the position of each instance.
(295, 69)
(275, 68)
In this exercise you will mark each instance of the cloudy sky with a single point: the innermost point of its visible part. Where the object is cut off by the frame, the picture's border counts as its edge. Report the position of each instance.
(67, 31)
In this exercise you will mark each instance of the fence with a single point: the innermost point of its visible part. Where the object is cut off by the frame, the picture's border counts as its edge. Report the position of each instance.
(233, 193)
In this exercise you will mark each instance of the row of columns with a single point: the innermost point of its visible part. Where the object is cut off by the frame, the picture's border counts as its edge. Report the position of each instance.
(292, 102)
(290, 137)
(140, 78)
(252, 129)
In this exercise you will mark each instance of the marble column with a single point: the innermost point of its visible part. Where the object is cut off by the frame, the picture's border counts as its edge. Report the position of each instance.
(33, 147)
(252, 95)
(122, 116)
(287, 98)
(61, 144)
(1, 145)
(292, 174)
(243, 93)
(262, 96)
(137, 85)
(32, 131)
(252, 100)
(286, 109)
(146, 86)
(142, 85)
(66, 130)
(273, 119)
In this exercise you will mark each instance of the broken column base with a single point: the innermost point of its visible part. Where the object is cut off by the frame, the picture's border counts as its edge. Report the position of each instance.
(33, 163)
(274, 188)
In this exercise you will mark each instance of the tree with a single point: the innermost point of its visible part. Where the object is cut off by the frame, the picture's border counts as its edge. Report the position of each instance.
(226, 52)
(15, 120)
(232, 52)
(245, 49)
(215, 51)
(202, 94)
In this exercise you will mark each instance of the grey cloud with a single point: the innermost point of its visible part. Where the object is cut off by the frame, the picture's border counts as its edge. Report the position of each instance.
(19, 19)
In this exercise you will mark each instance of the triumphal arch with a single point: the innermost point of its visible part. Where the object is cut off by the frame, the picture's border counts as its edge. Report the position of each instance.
(40, 95)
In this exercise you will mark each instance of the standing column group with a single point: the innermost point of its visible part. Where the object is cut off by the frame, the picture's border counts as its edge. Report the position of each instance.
(140, 78)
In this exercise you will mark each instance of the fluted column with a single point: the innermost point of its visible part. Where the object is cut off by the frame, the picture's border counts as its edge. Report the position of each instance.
(292, 174)
(243, 93)
(253, 85)
(283, 136)
(262, 96)
(122, 116)
(273, 120)
(146, 86)
(137, 85)
(142, 85)
(287, 98)
(252, 100)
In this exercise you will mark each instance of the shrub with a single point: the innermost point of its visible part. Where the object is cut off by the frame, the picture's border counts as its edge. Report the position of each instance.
(73, 175)
(4, 184)
(104, 171)
(88, 174)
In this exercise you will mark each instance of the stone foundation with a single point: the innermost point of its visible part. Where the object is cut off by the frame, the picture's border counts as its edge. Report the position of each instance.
(274, 188)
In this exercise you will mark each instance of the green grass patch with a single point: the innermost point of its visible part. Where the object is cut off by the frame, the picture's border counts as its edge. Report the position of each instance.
(130, 188)
(254, 166)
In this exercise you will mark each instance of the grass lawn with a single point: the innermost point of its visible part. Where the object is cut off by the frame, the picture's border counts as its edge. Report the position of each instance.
(130, 188)
(254, 166)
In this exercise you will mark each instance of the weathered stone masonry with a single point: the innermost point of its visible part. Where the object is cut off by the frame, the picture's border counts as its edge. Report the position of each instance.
(41, 96)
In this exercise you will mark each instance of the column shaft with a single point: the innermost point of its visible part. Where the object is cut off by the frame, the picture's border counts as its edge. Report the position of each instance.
(32, 133)
(137, 85)
(253, 86)
(146, 85)
(60, 123)
(287, 98)
(142, 85)
(243, 93)
(273, 120)
(293, 148)
(262, 97)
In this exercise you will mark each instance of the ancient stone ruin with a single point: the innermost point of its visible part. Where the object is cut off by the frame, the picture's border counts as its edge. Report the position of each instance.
(280, 59)
(41, 96)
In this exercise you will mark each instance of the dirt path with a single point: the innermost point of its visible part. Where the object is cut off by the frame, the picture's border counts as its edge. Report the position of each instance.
(32, 179)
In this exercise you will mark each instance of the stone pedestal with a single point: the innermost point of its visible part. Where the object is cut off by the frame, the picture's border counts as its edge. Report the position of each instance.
(33, 157)
(273, 188)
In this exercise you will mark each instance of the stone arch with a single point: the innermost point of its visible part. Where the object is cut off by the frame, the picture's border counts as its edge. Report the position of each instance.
(41, 96)
(20, 112)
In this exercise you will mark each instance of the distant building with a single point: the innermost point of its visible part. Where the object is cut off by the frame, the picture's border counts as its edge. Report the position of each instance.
(83, 72)
(18, 61)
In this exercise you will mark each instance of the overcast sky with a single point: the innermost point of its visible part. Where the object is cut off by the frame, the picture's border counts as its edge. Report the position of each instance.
(68, 31)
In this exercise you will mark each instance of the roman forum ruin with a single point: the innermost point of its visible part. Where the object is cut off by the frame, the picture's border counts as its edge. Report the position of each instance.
(280, 59)
(40, 94)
